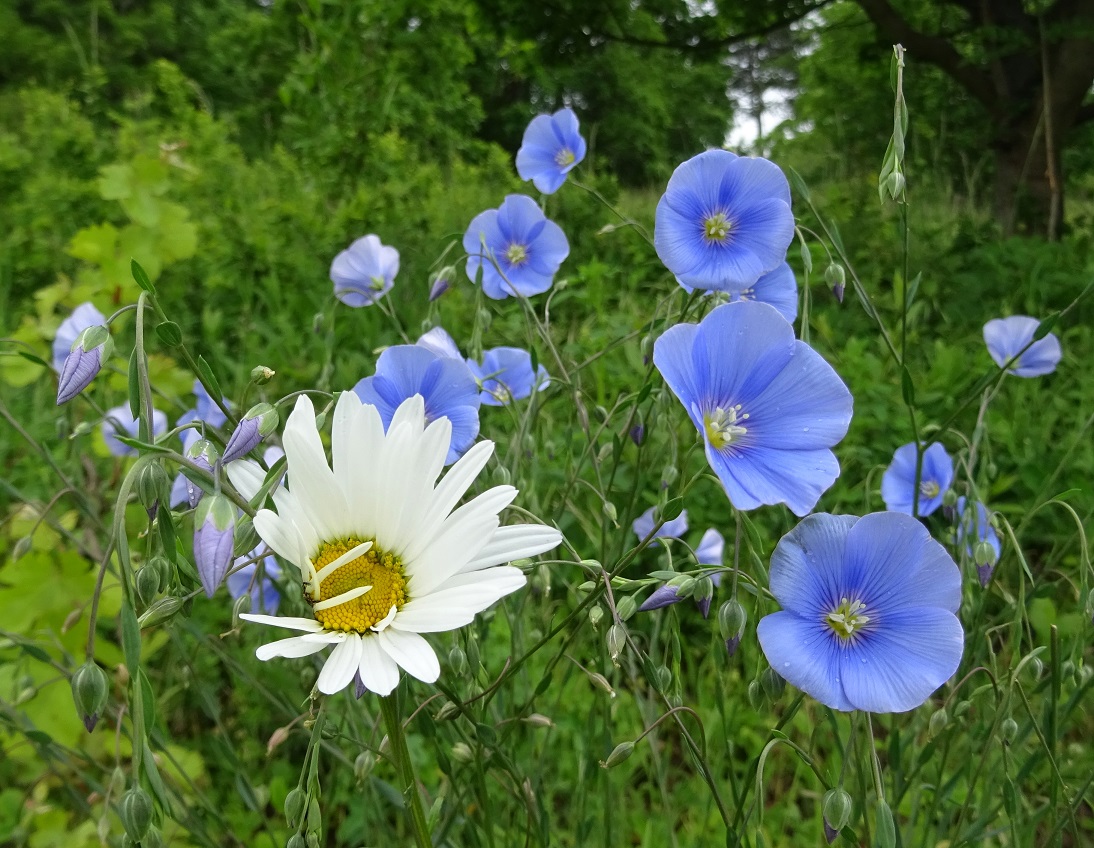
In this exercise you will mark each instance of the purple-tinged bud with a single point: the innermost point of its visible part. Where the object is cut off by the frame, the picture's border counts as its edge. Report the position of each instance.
(731, 619)
(441, 282)
(89, 693)
(733, 644)
(260, 420)
(663, 596)
(836, 809)
(214, 529)
(204, 454)
(91, 349)
(638, 434)
(836, 278)
(153, 487)
(984, 572)
(703, 591)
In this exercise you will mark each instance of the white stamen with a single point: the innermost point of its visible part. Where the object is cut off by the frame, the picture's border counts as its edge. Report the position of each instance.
(348, 557)
(338, 600)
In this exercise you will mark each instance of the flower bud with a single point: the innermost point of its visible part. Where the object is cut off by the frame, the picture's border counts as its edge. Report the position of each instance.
(363, 765)
(462, 753)
(983, 553)
(89, 692)
(610, 512)
(148, 584)
(152, 839)
(1009, 729)
(755, 694)
(204, 454)
(296, 841)
(313, 839)
(260, 420)
(91, 349)
(939, 719)
(538, 720)
(663, 596)
(621, 752)
(836, 278)
(626, 607)
(637, 434)
(161, 611)
(732, 644)
(896, 185)
(214, 527)
(22, 547)
(153, 487)
(662, 678)
(136, 813)
(961, 708)
(457, 660)
(983, 574)
(600, 682)
(261, 375)
(702, 591)
(836, 808)
(596, 615)
(162, 568)
(617, 641)
(668, 475)
(772, 683)
(441, 282)
(294, 805)
(732, 617)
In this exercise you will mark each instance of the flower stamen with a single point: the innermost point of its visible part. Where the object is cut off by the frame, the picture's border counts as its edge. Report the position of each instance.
(722, 427)
(564, 157)
(355, 586)
(929, 489)
(517, 254)
(847, 618)
(716, 227)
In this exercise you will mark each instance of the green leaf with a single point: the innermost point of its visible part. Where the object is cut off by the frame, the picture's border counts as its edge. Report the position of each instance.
(95, 244)
(886, 827)
(166, 526)
(212, 386)
(37, 360)
(148, 701)
(169, 333)
(35, 652)
(134, 385)
(1045, 327)
(672, 509)
(141, 277)
(798, 184)
(116, 182)
(907, 388)
(131, 638)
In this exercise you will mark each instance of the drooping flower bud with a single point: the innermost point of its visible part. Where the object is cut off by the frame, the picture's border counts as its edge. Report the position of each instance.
(260, 420)
(626, 607)
(772, 683)
(441, 282)
(148, 584)
(294, 805)
(703, 592)
(836, 278)
(89, 693)
(637, 434)
(621, 752)
(836, 809)
(214, 529)
(91, 349)
(617, 641)
(153, 487)
(663, 596)
(136, 813)
(732, 617)
(161, 611)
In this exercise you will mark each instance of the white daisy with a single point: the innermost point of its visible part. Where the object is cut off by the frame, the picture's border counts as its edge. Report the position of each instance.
(384, 553)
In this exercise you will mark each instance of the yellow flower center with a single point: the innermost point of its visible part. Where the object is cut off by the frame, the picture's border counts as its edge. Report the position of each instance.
(929, 489)
(716, 227)
(847, 618)
(564, 157)
(516, 253)
(376, 568)
(722, 427)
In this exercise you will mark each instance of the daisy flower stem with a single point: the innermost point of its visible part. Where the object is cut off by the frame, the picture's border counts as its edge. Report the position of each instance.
(389, 706)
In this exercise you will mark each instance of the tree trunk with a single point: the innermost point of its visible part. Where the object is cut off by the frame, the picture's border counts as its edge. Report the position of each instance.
(1029, 197)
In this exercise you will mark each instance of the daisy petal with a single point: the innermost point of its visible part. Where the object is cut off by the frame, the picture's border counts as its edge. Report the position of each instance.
(341, 665)
(378, 670)
(413, 653)
(308, 625)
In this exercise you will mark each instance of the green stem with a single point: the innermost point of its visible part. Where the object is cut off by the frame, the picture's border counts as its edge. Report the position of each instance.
(389, 706)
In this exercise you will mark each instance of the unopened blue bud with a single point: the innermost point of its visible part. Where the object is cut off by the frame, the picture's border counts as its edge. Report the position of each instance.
(260, 420)
(663, 596)
(214, 529)
(89, 692)
(204, 454)
(441, 283)
(638, 434)
(91, 349)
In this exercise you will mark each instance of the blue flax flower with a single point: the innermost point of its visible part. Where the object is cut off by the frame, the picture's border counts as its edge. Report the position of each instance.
(777, 288)
(974, 526)
(364, 272)
(551, 148)
(516, 247)
(120, 421)
(506, 375)
(442, 344)
(1006, 336)
(446, 385)
(204, 410)
(898, 481)
(868, 619)
(674, 529)
(710, 552)
(724, 221)
(83, 316)
(264, 595)
(768, 407)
